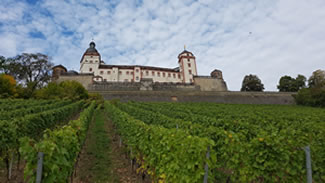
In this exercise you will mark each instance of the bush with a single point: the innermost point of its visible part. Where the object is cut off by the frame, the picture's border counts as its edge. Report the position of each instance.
(74, 90)
(311, 97)
(66, 89)
(7, 86)
(96, 96)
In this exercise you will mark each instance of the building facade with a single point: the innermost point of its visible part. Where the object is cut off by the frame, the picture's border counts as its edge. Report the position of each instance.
(91, 63)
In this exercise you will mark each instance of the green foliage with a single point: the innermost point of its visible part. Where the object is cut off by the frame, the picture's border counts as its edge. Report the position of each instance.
(317, 79)
(51, 91)
(252, 83)
(289, 84)
(60, 147)
(311, 97)
(66, 89)
(74, 90)
(170, 155)
(29, 67)
(97, 97)
(253, 143)
(32, 122)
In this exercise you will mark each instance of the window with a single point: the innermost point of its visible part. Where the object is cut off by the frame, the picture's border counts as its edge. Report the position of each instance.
(91, 56)
(153, 73)
(137, 78)
(147, 73)
(105, 80)
(127, 72)
(169, 75)
(86, 60)
(131, 72)
(119, 72)
(189, 65)
(108, 72)
(137, 70)
(158, 74)
(189, 71)
(188, 54)
(174, 75)
(91, 61)
(164, 74)
(101, 72)
(188, 59)
(179, 76)
(90, 69)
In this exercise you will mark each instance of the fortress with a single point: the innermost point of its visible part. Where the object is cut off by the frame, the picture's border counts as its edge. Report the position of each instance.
(94, 74)
(149, 83)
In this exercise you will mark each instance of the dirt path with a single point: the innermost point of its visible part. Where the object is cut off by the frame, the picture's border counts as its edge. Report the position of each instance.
(102, 160)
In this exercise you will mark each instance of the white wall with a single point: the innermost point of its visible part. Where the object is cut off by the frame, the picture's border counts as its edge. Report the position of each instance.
(89, 62)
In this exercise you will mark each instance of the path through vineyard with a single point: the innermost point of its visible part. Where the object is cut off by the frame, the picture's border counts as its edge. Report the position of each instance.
(102, 160)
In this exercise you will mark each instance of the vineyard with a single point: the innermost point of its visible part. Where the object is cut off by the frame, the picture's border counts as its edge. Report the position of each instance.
(246, 143)
(170, 142)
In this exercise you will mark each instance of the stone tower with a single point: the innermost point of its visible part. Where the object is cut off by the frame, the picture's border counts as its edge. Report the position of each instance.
(90, 60)
(187, 66)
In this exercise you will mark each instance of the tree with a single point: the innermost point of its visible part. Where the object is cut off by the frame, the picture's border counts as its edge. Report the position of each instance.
(301, 81)
(30, 70)
(252, 83)
(2, 63)
(317, 79)
(289, 84)
(7, 86)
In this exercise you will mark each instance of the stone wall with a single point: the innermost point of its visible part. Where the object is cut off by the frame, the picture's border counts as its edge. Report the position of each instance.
(145, 85)
(199, 96)
(84, 79)
(208, 83)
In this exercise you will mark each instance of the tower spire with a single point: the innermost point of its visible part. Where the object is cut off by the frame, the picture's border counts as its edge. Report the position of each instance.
(184, 47)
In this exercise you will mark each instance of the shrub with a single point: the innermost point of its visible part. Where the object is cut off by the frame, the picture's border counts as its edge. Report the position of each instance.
(7, 86)
(66, 89)
(311, 97)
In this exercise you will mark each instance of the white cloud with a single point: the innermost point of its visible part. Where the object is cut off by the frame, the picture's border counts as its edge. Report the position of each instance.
(268, 38)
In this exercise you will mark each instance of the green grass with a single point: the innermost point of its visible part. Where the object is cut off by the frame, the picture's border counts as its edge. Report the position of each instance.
(99, 148)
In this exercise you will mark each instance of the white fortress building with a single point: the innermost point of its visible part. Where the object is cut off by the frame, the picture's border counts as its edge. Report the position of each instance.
(91, 63)
(94, 74)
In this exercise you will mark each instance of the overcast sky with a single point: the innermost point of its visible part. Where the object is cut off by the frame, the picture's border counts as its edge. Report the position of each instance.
(269, 38)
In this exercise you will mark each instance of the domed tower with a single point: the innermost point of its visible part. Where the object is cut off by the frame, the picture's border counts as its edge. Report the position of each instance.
(90, 60)
(187, 66)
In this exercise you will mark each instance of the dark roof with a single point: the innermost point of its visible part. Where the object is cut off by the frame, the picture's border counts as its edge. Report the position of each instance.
(91, 48)
(142, 67)
(90, 51)
(60, 66)
(185, 51)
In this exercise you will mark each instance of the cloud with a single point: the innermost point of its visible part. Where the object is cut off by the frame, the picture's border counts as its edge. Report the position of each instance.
(269, 38)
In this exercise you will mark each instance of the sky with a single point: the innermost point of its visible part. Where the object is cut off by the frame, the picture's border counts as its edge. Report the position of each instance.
(267, 38)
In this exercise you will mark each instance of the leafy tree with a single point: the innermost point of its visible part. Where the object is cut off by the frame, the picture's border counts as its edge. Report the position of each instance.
(30, 70)
(2, 63)
(7, 86)
(252, 83)
(301, 81)
(289, 84)
(317, 79)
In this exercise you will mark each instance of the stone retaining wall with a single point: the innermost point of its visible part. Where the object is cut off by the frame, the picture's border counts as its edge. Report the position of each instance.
(199, 96)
